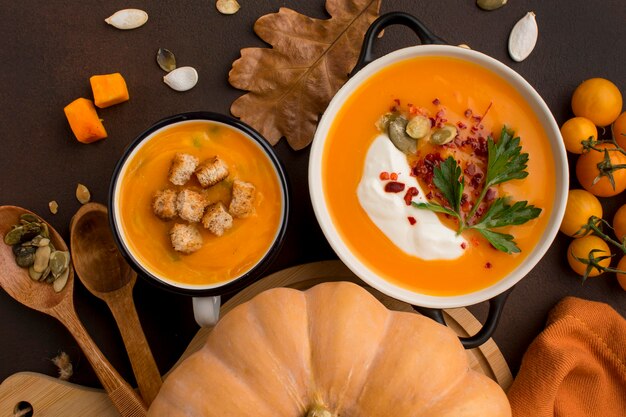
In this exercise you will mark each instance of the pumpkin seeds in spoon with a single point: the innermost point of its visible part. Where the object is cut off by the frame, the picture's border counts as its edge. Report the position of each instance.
(60, 282)
(59, 261)
(166, 59)
(42, 259)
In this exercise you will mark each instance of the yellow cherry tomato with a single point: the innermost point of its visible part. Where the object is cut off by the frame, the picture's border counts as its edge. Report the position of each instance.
(575, 130)
(619, 130)
(619, 223)
(580, 206)
(599, 100)
(621, 278)
(587, 171)
(581, 248)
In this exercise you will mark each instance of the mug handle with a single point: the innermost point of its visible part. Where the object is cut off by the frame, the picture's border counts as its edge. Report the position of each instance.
(206, 310)
(496, 305)
(388, 19)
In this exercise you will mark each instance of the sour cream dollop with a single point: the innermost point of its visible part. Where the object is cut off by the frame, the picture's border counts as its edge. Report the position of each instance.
(428, 238)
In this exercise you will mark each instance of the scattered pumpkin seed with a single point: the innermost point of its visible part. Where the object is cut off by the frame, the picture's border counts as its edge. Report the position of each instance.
(82, 194)
(60, 282)
(127, 19)
(166, 59)
(42, 258)
(418, 127)
(443, 135)
(53, 206)
(523, 37)
(182, 79)
(490, 4)
(399, 137)
(227, 6)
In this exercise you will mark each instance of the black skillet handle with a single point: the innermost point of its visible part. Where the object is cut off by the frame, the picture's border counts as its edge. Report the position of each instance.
(496, 305)
(393, 18)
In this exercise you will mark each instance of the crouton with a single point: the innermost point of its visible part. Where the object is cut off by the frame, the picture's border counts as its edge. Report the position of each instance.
(217, 219)
(183, 166)
(211, 171)
(185, 238)
(164, 204)
(242, 202)
(190, 205)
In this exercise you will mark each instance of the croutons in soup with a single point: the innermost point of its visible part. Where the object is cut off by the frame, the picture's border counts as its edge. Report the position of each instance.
(199, 203)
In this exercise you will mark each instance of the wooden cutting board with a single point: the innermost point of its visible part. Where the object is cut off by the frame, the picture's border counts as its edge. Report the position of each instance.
(51, 397)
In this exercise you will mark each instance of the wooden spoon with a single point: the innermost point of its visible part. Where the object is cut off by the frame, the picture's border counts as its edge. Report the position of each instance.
(105, 273)
(41, 297)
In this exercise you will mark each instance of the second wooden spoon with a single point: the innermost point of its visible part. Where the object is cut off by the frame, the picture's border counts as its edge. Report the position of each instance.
(105, 273)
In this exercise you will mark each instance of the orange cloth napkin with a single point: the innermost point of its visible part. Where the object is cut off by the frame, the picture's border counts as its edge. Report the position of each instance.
(576, 367)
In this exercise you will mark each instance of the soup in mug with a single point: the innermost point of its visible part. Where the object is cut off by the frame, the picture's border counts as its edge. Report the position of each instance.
(215, 259)
(372, 184)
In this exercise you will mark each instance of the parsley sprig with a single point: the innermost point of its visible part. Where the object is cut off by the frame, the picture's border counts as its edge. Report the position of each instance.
(505, 162)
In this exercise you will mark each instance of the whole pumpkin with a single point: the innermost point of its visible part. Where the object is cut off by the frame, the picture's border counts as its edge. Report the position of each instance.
(332, 350)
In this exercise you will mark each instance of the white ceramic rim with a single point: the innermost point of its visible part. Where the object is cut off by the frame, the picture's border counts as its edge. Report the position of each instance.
(122, 232)
(343, 251)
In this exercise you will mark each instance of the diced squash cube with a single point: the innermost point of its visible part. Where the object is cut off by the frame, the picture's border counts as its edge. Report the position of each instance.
(108, 89)
(84, 121)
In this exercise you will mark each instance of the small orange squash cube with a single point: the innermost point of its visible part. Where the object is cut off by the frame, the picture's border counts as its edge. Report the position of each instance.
(108, 89)
(84, 121)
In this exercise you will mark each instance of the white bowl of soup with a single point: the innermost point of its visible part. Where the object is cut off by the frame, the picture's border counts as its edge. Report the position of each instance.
(414, 254)
(180, 226)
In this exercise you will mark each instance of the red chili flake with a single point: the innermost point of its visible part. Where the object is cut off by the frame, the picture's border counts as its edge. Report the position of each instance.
(475, 242)
(412, 109)
(440, 114)
(468, 113)
(411, 220)
(461, 125)
(393, 176)
(384, 175)
(488, 265)
(429, 195)
(397, 101)
(394, 187)
(436, 102)
(470, 169)
(433, 122)
(490, 195)
(474, 129)
(393, 109)
(463, 245)
(477, 118)
(410, 193)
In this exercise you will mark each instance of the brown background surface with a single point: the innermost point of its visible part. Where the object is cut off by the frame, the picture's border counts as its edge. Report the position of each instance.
(51, 48)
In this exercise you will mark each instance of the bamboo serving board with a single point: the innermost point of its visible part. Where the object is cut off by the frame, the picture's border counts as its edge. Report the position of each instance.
(51, 397)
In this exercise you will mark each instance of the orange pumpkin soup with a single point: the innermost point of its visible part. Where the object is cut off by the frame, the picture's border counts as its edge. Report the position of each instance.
(220, 259)
(476, 102)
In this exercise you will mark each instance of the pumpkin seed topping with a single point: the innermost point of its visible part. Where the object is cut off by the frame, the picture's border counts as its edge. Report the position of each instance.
(443, 135)
(418, 127)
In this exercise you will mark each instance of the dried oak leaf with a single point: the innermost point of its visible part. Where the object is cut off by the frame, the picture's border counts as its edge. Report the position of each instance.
(290, 84)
